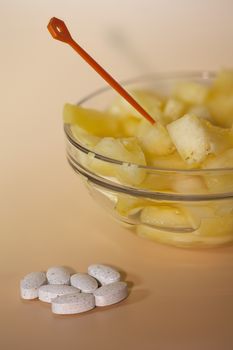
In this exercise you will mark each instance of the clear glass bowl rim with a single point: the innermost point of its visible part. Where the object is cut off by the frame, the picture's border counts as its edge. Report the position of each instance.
(205, 75)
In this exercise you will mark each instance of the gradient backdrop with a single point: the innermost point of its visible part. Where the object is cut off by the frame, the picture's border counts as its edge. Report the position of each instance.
(181, 299)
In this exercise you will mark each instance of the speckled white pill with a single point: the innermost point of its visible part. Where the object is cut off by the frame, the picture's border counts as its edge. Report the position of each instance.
(30, 284)
(50, 291)
(111, 293)
(58, 275)
(73, 303)
(84, 282)
(104, 274)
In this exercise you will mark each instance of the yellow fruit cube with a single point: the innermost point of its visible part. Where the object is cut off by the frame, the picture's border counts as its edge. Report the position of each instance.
(173, 110)
(223, 160)
(94, 122)
(221, 108)
(190, 139)
(84, 137)
(182, 240)
(191, 93)
(189, 184)
(200, 111)
(165, 217)
(223, 82)
(154, 139)
(126, 150)
(220, 139)
(170, 161)
(147, 99)
(127, 205)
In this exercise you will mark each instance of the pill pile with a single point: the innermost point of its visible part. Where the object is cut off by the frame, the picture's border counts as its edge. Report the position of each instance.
(76, 293)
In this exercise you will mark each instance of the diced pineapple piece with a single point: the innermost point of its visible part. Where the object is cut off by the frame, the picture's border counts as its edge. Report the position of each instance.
(222, 182)
(199, 212)
(223, 160)
(170, 161)
(220, 101)
(131, 174)
(220, 139)
(182, 240)
(157, 182)
(127, 205)
(217, 226)
(223, 82)
(225, 207)
(200, 111)
(173, 110)
(190, 139)
(147, 99)
(191, 93)
(154, 139)
(129, 126)
(84, 137)
(165, 217)
(124, 150)
(221, 108)
(94, 122)
(189, 184)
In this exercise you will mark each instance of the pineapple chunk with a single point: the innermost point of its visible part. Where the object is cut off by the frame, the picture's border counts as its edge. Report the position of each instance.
(94, 122)
(165, 217)
(170, 161)
(217, 226)
(157, 182)
(147, 99)
(200, 111)
(191, 93)
(190, 139)
(220, 139)
(220, 101)
(154, 139)
(125, 150)
(183, 240)
(221, 108)
(84, 137)
(224, 82)
(189, 184)
(129, 126)
(127, 206)
(173, 110)
(223, 160)
(220, 182)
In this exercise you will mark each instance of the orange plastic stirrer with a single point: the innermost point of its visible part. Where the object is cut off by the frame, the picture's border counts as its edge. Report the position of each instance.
(59, 31)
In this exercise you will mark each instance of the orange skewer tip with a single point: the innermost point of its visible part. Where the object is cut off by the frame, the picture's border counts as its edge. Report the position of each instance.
(59, 30)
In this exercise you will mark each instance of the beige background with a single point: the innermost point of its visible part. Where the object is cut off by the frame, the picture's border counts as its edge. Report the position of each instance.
(180, 299)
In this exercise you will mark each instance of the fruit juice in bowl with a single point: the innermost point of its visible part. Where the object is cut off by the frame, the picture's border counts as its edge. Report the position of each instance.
(171, 182)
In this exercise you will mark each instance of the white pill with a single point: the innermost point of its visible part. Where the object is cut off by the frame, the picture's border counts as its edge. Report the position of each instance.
(84, 282)
(73, 303)
(111, 293)
(50, 291)
(58, 275)
(104, 274)
(30, 284)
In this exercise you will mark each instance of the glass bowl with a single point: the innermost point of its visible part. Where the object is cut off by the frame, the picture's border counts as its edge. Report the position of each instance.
(170, 205)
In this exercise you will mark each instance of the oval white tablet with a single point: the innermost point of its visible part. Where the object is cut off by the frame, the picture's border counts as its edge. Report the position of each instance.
(50, 291)
(84, 282)
(58, 275)
(30, 284)
(104, 274)
(73, 303)
(110, 293)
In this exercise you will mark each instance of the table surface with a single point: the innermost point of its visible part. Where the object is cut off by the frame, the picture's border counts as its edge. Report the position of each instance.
(180, 299)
